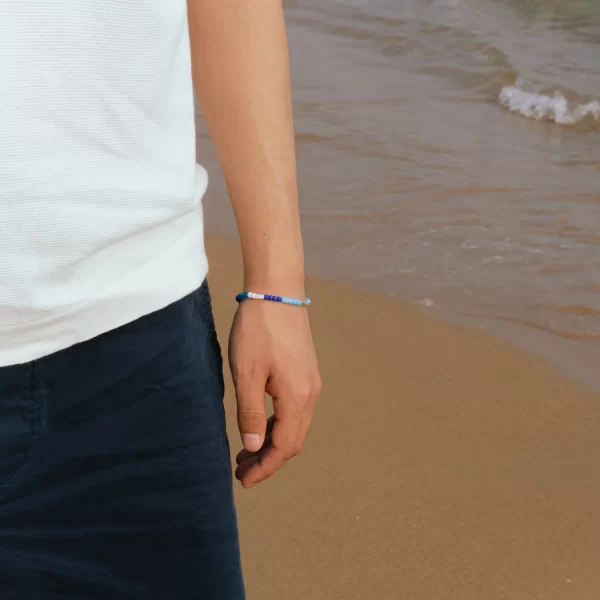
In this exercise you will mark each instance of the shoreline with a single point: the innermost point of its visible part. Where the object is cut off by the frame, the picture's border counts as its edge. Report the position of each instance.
(571, 357)
(443, 463)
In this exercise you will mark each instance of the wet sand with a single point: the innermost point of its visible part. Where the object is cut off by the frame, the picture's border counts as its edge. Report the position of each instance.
(443, 464)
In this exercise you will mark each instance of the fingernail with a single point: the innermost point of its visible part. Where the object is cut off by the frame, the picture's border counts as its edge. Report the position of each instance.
(251, 441)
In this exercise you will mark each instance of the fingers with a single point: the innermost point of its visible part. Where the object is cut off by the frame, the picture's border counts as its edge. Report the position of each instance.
(246, 454)
(309, 413)
(294, 414)
(307, 420)
(260, 467)
(286, 433)
(244, 467)
(285, 436)
(251, 413)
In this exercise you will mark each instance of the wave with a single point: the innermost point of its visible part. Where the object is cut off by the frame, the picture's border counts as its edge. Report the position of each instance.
(553, 106)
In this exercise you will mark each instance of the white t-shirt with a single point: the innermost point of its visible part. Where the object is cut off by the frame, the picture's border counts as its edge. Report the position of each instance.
(100, 214)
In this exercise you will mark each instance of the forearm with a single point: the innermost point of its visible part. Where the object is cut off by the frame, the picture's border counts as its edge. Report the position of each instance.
(241, 75)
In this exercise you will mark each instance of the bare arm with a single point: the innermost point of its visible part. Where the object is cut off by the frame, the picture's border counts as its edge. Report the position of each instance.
(241, 74)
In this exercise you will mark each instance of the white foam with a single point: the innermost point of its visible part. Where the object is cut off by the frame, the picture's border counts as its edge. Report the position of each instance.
(546, 108)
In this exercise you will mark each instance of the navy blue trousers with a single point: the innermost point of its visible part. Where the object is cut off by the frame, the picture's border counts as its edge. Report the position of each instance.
(115, 473)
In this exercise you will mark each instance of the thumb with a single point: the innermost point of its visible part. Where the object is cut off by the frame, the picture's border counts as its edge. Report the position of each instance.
(251, 411)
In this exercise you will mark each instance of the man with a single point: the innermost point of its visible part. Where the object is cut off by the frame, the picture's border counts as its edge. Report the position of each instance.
(115, 477)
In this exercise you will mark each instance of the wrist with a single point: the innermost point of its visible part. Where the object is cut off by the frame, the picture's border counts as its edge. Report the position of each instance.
(289, 285)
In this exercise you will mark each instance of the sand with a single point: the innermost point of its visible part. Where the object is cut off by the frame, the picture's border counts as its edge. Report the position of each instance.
(442, 464)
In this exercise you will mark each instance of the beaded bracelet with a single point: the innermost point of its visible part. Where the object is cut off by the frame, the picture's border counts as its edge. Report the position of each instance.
(291, 301)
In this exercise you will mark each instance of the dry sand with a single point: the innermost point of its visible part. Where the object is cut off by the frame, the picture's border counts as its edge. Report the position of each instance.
(442, 464)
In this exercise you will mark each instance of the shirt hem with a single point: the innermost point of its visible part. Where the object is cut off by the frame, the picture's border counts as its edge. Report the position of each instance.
(157, 284)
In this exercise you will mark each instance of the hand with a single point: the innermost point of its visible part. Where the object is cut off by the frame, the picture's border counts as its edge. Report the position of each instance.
(271, 350)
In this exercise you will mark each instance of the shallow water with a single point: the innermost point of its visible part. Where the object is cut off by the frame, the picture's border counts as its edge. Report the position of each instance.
(449, 154)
